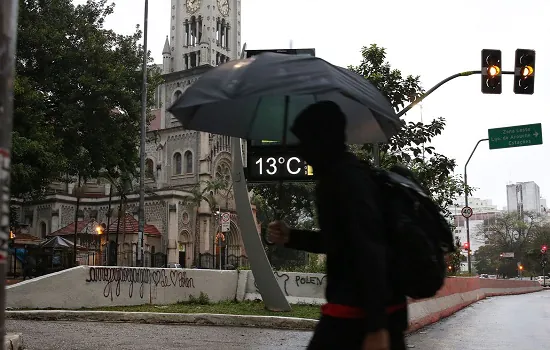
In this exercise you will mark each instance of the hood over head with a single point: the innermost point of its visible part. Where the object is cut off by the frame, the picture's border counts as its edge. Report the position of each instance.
(321, 130)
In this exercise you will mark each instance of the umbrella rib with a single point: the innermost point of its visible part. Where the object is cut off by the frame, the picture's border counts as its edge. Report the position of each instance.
(253, 120)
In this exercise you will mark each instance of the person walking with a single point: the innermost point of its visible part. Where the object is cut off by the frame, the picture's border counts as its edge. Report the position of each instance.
(363, 311)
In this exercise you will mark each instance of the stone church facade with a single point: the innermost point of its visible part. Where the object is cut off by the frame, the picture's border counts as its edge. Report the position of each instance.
(203, 34)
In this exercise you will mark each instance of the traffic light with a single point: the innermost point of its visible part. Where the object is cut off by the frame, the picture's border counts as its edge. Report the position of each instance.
(491, 68)
(524, 72)
(543, 249)
(466, 246)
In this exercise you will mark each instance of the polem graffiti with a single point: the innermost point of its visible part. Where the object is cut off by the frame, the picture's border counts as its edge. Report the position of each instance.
(299, 280)
(113, 277)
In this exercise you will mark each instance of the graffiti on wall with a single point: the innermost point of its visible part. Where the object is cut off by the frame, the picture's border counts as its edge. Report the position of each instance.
(117, 278)
(287, 281)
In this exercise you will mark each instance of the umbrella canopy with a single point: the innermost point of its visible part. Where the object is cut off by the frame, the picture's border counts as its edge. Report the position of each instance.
(258, 98)
(58, 242)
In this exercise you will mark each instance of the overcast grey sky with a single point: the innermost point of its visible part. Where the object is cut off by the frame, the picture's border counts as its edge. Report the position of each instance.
(430, 38)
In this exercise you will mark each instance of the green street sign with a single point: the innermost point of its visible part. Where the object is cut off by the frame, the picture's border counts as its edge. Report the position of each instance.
(515, 136)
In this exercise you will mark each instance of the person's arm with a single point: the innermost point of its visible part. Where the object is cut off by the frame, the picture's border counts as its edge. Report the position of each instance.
(354, 202)
(309, 241)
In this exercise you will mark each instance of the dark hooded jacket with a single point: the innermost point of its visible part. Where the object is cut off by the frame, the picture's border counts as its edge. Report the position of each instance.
(351, 227)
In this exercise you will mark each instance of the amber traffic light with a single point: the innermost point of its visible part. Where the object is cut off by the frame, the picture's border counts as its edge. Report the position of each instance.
(524, 72)
(491, 69)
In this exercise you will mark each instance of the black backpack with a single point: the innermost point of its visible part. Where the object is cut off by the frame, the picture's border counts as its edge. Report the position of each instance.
(419, 236)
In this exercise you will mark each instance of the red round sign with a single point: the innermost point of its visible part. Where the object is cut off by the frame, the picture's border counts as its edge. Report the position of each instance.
(467, 212)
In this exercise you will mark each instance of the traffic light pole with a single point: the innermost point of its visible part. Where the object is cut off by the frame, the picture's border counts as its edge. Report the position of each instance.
(466, 204)
(8, 37)
(376, 146)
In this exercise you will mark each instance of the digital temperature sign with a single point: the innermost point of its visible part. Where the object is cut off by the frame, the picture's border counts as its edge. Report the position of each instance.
(277, 166)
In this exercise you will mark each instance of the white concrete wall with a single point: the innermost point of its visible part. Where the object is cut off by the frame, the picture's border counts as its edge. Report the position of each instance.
(298, 287)
(90, 286)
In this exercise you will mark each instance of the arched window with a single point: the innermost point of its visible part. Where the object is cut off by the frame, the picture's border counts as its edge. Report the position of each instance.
(177, 164)
(223, 173)
(43, 229)
(188, 162)
(149, 169)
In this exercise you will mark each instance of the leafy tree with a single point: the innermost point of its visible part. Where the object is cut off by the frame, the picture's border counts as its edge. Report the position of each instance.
(487, 259)
(78, 87)
(455, 259)
(435, 171)
(508, 232)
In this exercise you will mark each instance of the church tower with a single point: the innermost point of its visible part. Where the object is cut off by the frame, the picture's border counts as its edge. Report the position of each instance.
(200, 25)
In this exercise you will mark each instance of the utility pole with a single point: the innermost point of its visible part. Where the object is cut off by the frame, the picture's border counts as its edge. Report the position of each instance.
(466, 204)
(8, 38)
(141, 214)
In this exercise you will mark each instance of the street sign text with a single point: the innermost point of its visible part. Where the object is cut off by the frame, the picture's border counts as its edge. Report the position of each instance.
(515, 136)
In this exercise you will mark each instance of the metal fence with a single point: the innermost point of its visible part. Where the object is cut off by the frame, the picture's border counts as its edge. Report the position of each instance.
(130, 258)
(228, 262)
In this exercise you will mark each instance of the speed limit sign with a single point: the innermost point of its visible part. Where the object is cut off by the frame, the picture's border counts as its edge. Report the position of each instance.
(467, 212)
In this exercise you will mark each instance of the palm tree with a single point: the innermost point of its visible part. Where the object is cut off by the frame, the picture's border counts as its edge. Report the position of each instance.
(203, 191)
(123, 184)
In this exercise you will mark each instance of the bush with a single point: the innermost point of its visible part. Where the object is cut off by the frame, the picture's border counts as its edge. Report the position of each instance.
(314, 265)
(202, 299)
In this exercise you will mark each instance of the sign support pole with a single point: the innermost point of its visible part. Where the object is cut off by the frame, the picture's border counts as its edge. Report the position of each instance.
(466, 204)
(272, 295)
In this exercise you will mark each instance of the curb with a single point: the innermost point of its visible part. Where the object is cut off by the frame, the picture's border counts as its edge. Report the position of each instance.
(13, 341)
(275, 322)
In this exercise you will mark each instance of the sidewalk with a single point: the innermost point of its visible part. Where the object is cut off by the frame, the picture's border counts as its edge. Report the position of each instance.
(13, 341)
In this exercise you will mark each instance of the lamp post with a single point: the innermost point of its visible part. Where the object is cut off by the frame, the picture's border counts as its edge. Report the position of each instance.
(78, 192)
(141, 215)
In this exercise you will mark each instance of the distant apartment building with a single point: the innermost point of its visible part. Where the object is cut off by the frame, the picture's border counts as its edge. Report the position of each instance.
(523, 197)
(483, 211)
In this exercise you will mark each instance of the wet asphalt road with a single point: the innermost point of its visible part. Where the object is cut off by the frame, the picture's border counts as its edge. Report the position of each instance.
(513, 322)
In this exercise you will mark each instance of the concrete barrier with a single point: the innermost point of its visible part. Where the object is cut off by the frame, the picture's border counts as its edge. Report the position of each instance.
(307, 288)
(98, 286)
(459, 292)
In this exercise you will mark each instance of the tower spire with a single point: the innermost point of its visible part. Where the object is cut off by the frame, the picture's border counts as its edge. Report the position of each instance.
(166, 49)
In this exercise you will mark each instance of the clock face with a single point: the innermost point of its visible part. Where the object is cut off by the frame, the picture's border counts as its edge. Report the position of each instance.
(223, 6)
(193, 5)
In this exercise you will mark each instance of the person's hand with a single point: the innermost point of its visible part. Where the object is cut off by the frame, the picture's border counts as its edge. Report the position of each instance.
(278, 232)
(379, 340)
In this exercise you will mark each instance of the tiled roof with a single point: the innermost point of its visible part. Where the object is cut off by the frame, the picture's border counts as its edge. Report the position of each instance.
(130, 225)
(69, 229)
(25, 238)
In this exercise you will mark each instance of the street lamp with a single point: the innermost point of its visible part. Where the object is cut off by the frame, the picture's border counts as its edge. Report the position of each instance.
(141, 212)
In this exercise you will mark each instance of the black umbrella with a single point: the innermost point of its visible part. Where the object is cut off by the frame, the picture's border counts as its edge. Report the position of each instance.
(259, 97)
